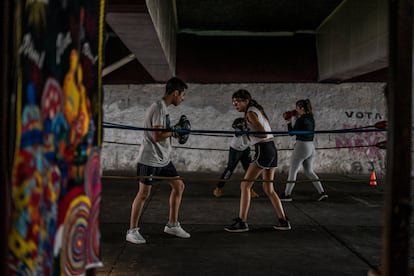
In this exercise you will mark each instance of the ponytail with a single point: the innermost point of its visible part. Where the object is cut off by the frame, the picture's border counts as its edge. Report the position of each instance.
(254, 103)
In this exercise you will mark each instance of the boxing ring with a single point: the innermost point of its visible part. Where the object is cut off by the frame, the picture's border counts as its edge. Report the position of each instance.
(378, 127)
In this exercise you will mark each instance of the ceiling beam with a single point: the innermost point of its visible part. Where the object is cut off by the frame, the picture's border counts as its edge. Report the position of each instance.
(149, 34)
(109, 69)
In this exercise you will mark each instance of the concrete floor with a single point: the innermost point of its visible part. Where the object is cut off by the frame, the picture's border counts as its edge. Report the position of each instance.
(341, 236)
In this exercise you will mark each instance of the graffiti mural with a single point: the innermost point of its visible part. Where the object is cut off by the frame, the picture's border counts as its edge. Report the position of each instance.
(364, 142)
(361, 141)
(56, 177)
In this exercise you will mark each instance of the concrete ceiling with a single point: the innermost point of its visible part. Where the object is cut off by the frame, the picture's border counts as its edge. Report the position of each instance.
(253, 16)
(212, 41)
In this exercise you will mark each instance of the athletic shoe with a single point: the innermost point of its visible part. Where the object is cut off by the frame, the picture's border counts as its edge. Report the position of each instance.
(284, 224)
(238, 226)
(253, 194)
(134, 236)
(284, 197)
(322, 196)
(217, 192)
(176, 231)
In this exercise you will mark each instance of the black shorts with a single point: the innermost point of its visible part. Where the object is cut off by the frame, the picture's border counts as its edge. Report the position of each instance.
(144, 171)
(266, 155)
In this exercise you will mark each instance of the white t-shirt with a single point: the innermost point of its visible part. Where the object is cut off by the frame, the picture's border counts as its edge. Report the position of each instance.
(240, 143)
(263, 121)
(151, 153)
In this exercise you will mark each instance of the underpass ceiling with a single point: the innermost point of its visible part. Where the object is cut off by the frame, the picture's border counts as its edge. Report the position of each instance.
(253, 16)
(230, 41)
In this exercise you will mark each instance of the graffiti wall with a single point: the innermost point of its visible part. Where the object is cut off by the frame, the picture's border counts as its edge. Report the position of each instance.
(56, 177)
(370, 144)
(336, 107)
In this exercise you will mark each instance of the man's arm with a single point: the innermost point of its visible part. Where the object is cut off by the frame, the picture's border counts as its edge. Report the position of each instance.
(160, 135)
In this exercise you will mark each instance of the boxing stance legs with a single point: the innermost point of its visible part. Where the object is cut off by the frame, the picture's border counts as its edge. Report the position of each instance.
(303, 154)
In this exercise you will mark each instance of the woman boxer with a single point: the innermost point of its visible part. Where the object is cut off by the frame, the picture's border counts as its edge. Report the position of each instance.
(304, 149)
(264, 162)
(239, 152)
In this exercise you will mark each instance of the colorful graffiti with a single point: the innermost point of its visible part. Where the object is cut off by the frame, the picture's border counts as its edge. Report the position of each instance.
(56, 181)
(361, 142)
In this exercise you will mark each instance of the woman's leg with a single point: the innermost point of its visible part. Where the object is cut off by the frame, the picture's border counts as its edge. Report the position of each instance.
(308, 168)
(246, 159)
(268, 188)
(232, 161)
(252, 173)
(296, 160)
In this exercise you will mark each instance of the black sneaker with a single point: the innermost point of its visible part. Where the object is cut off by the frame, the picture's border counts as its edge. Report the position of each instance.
(322, 197)
(284, 224)
(284, 197)
(237, 227)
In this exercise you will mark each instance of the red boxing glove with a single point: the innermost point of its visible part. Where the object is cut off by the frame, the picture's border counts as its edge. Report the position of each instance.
(289, 114)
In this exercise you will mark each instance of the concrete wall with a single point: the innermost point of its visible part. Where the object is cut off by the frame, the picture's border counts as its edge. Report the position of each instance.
(209, 107)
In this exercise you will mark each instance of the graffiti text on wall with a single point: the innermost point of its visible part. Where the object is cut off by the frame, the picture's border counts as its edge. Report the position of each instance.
(363, 115)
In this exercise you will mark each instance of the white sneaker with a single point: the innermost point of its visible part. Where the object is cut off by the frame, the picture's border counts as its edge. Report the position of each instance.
(176, 231)
(134, 236)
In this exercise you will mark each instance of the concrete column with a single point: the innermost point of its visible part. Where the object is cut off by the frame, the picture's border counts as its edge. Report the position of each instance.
(398, 207)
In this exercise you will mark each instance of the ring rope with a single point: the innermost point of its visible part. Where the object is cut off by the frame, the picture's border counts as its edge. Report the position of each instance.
(380, 145)
(372, 128)
(378, 127)
(193, 179)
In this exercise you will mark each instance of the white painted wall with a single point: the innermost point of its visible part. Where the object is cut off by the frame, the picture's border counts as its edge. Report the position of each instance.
(336, 107)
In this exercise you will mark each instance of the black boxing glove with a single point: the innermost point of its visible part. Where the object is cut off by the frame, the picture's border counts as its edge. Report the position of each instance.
(240, 124)
(289, 114)
(181, 130)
